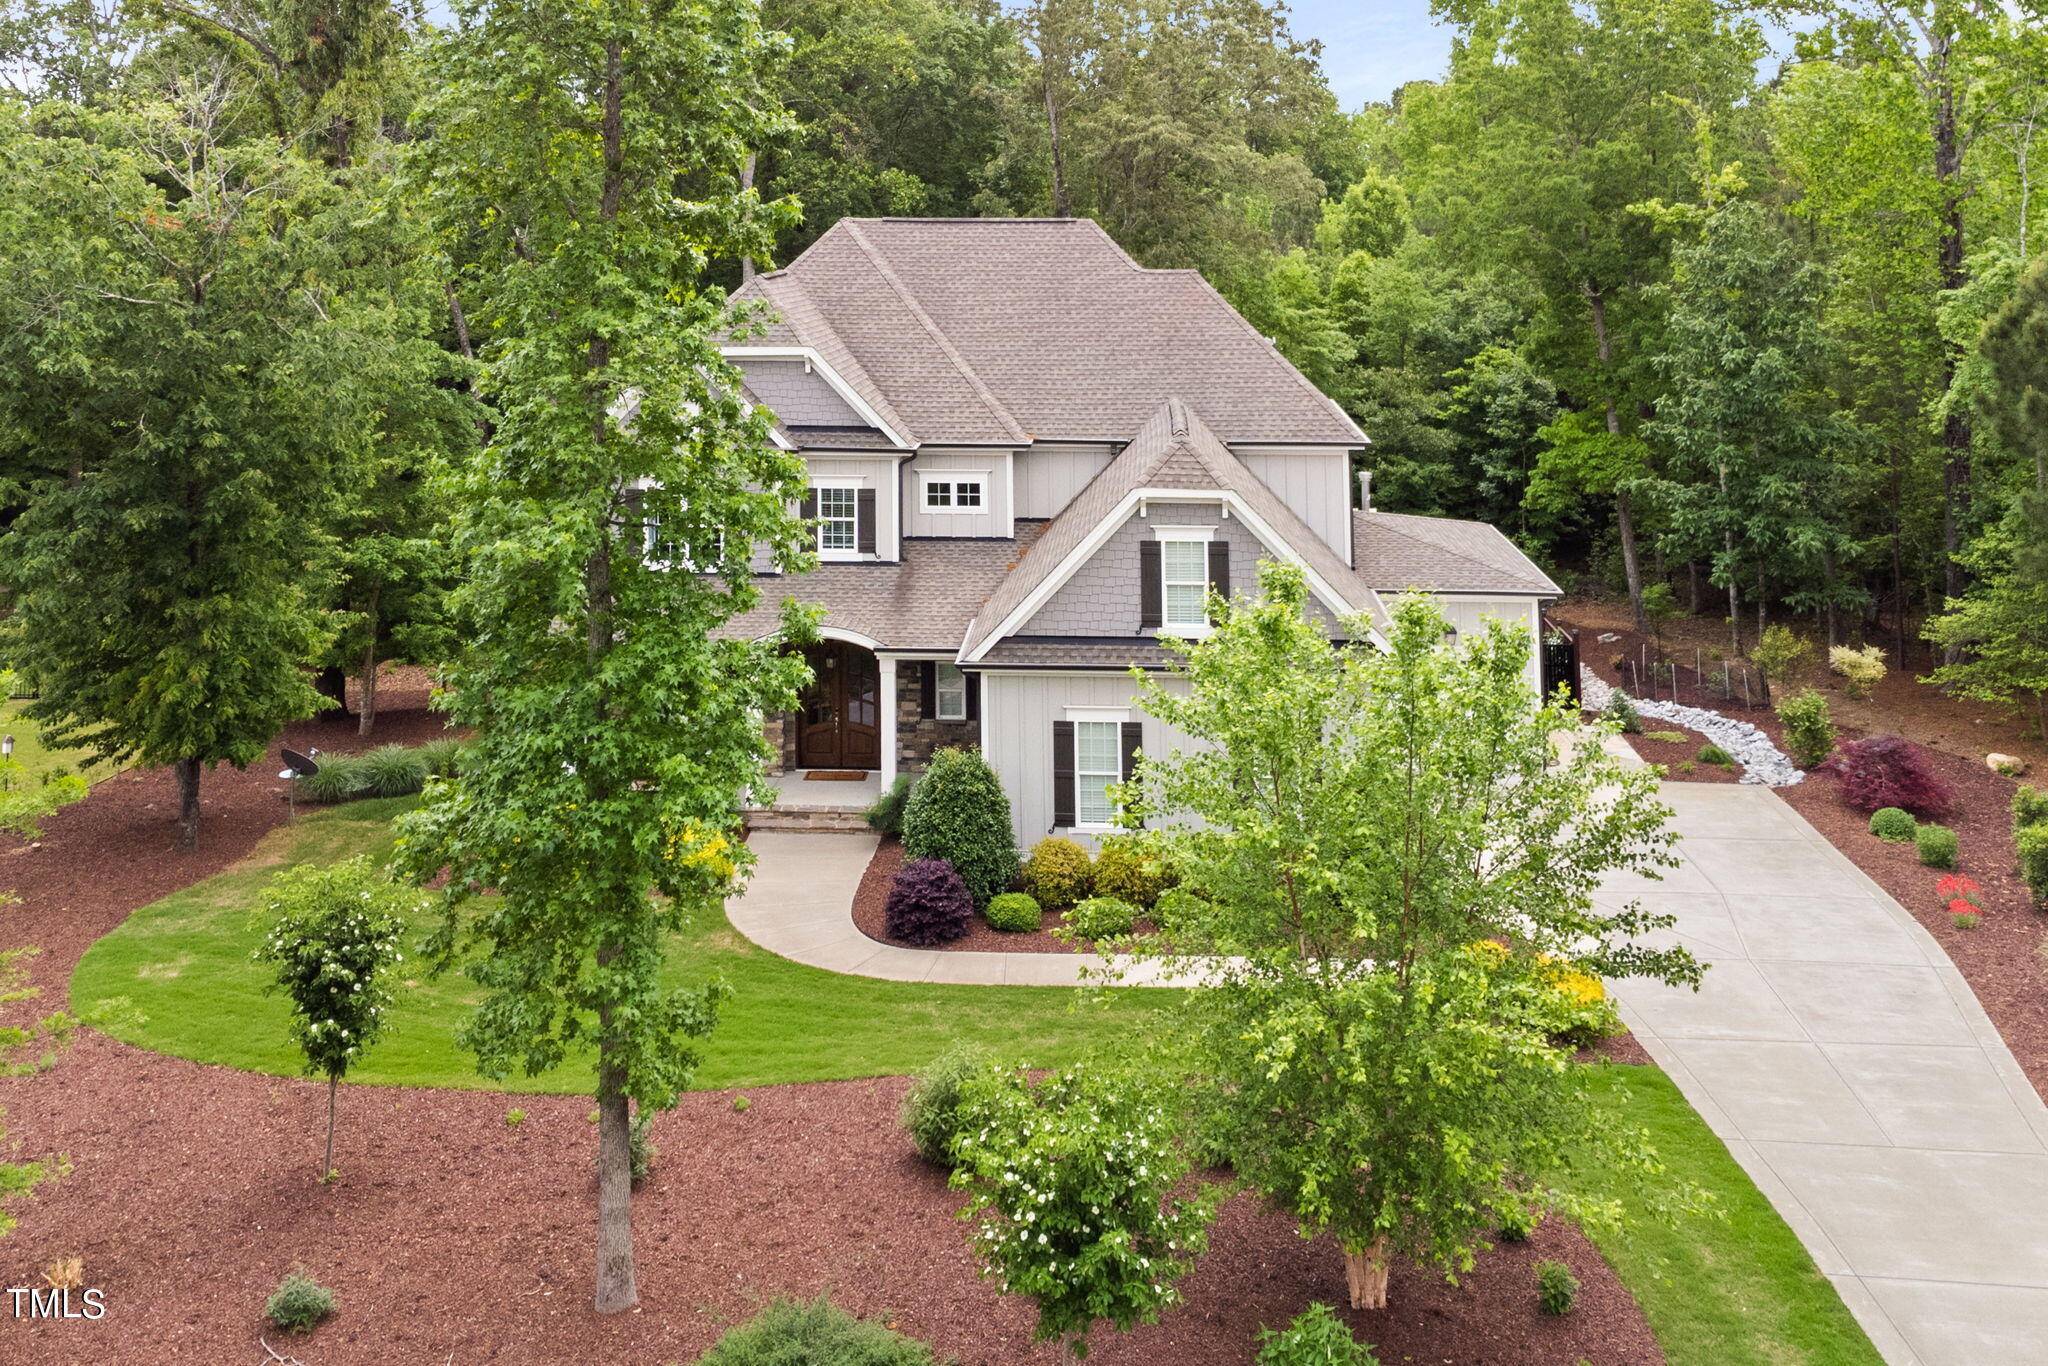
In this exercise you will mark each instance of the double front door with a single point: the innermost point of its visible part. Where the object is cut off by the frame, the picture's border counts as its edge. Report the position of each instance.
(839, 718)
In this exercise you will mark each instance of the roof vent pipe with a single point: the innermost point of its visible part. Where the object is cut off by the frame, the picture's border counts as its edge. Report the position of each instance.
(1365, 490)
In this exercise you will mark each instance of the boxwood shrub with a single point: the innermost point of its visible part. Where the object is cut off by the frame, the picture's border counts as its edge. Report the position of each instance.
(1014, 911)
(2031, 843)
(813, 1333)
(928, 904)
(1101, 917)
(1058, 873)
(1893, 825)
(957, 812)
(1936, 845)
(1132, 868)
(931, 1111)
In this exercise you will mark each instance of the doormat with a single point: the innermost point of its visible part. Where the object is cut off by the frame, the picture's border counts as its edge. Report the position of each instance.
(835, 775)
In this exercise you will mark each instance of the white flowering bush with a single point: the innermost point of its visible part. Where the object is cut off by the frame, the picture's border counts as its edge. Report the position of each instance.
(1074, 1184)
(332, 937)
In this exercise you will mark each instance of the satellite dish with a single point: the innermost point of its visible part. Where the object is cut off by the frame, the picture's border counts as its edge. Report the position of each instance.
(297, 765)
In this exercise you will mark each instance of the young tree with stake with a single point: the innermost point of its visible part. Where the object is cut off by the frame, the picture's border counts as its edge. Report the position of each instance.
(592, 157)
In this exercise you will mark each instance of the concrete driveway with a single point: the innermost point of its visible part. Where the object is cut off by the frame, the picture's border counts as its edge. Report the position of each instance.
(1848, 1067)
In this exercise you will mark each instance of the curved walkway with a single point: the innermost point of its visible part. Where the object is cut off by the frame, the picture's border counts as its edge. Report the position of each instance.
(1850, 1070)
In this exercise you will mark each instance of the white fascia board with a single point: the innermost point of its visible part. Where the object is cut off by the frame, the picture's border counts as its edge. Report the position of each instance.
(809, 355)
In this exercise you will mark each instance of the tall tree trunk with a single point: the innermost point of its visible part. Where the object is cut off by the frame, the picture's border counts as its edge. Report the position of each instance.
(1898, 563)
(747, 183)
(1692, 587)
(188, 803)
(1827, 566)
(1061, 206)
(327, 1162)
(1624, 522)
(331, 682)
(1365, 1274)
(1955, 429)
(366, 684)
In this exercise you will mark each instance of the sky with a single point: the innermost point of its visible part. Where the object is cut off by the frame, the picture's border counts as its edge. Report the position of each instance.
(1372, 46)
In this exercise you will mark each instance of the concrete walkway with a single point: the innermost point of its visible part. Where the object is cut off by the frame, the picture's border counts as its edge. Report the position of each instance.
(1848, 1067)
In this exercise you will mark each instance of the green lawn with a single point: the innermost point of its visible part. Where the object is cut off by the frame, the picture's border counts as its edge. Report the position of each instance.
(184, 964)
(33, 755)
(1739, 1291)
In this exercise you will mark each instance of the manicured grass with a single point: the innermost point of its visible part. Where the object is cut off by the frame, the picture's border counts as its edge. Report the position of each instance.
(184, 964)
(38, 759)
(1739, 1291)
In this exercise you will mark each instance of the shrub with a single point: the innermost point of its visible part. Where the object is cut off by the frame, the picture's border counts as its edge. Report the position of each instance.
(515, 1117)
(1893, 826)
(1100, 917)
(640, 1149)
(2031, 843)
(298, 1304)
(1809, 732)
(1936, 845)
(442, 757)
(1669, 737)
(1575, 1009)
(1014, 912)
(813, 1333)
(1132, 868)
(957, 812)
(1779, 654)
(392, 771)
(1714, 754)
(1861, 670)
(1887, 771)
(928, 904)
(1517, 1222)
(931, 1111)
(1058, 873)
(2029, 807)
(1623, 713)
(885, 816)
(1967, 920)
(1556, 1287)
(1177, 910)
(1317, 1337)
(340, 779)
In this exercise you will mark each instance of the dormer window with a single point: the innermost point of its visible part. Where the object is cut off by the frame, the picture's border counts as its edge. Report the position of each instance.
(951, 491)
(1180, 566)
(844, 512)
(1184, 569)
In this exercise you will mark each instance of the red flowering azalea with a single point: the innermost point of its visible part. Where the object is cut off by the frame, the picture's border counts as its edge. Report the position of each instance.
(1961, 892)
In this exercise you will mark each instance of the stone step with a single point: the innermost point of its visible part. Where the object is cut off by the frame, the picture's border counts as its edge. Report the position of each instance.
(818, 820)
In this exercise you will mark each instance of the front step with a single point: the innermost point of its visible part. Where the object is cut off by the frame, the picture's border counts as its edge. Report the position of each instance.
(818, 820)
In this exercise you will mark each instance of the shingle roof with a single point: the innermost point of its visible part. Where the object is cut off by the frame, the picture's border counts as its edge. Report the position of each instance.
(1174, 449)
(999, 330)
(922, 603)
(1025, 652)
(1396, 551)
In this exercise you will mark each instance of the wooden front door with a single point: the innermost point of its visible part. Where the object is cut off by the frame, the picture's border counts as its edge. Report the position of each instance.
(839, 719)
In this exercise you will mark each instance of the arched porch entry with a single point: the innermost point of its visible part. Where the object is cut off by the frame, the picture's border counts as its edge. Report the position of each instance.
(839, 716)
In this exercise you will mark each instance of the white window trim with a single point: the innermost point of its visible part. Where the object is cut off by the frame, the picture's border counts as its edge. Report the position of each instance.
(939, 711)
(1186, 630)
(854, 486)
(925, 478)
(1115, 716)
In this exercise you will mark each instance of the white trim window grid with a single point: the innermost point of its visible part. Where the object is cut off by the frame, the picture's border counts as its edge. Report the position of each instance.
(949, 692)
(838, 518)
(1184, 576)
(1098, 763)
(958, 491)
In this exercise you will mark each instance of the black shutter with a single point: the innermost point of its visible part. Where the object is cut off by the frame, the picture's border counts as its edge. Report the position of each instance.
(1219, 568)
(1151, 590)
(1134, 736)
(1062, 774)
(974, 697)
(864, 521)
(928, 689)
(807, 509)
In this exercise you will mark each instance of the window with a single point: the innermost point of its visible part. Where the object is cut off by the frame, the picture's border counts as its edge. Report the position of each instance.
(838, 518)
(1098, 762)
(950, 693)
(952, 493)
(1184, 570)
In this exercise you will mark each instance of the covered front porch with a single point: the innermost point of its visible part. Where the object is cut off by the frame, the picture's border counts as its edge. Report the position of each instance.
(800, 799)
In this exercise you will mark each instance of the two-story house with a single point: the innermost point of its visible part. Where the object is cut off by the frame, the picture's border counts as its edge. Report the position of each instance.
(1030, 459)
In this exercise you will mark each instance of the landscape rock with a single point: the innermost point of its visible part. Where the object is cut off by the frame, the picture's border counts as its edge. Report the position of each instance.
(1763, 763)
(2011, 765)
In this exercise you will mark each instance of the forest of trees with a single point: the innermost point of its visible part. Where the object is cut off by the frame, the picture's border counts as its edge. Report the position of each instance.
(1767, 330)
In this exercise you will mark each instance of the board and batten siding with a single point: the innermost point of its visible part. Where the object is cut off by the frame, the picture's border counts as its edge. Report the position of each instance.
(1314, 481)
(1017, 712)
(1051, 473)
(1469, 615)
(991, 466)
(865, 472)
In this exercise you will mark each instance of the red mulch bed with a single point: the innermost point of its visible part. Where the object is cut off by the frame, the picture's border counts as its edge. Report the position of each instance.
(1674, 757)
(453, 1235)
(870, 916)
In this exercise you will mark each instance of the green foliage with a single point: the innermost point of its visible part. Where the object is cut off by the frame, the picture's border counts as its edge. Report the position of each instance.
(2030, 844)
(1180, 912)
(1317, 1337)
(1014, 911)
(515, 1117)
(25, 801)
(1936, 845)
(958, 812)
(1809, 731)
(813, 1333)
(1714, 754)
(1861, 670)
(1078, 1197)
(339, 779)
(885, 814)
(1669, 737)
(1058, 872)
(1098, 918)
(1279, 816)
(1517, 1222)
(1622, 713)
(1132, 868)
(298, 1304)
(53, 1031)
(1893, 825)
(1780, 654)
(442, 758)
(1660, 607)
(932, 1110)
(2029, 806)
(640, 1149)
(391, 771)
(332, 936)
(1556, 1287)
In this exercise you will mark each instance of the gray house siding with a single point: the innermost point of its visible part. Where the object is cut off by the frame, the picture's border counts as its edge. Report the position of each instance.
(1017, 712)
(800, 397)
(1469, 615)
(1101, 599)
(990, 466)
(1314, 481)
(1050, 474)
(866, 473)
